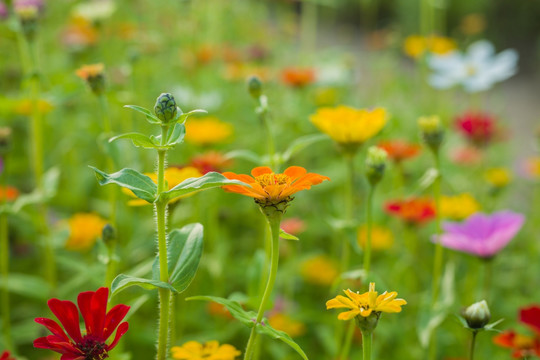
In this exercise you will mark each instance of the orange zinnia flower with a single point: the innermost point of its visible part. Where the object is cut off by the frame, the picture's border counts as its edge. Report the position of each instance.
(523, 346)
(414, 211)
(298, 77)
(8, 193)
(399, 150)
(269, 188)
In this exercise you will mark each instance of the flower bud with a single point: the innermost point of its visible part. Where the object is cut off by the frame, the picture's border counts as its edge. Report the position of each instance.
(28, 18)
(477, 315)
(94, 77)
(432, 131)
(5, 139)
(165, 108)
(255, 86)
(108, 234)
(375, 164)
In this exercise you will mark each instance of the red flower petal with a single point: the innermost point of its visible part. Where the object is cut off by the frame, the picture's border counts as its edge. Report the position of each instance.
(67, 313)
(53, 327)
(531, 317)
(122, 329)
(113, 318)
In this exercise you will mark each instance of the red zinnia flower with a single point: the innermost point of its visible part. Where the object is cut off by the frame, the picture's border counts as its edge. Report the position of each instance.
(530, 316)
(479, 128)
(298, 77)
(100, 325)
(414, 211)
(399, 150)
(523, 346)
(210, 161)
(6, 356)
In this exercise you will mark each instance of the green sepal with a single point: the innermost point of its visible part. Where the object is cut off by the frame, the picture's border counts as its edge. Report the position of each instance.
(249, 319)
(208, 181)
(122, 282)
(184, 251)
(285, 235)
(142, 186)
(150, 117)
(138, 139)
(488, 327)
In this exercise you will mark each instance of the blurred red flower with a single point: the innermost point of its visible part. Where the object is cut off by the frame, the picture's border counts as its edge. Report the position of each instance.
(523, 346)
(6, 356)
(99, 323)
(210, 161)
(478, 127)
(414, 211)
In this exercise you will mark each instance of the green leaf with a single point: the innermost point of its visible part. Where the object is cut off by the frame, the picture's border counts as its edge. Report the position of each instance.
(122, 282)
(183, 117)
(285, 235)
(247, 318)
(139, 140)
(50, 187)
(184, 251)
(301, 143)
(150, 117)
(27, 285)
(176, 134)
(142, 186)
(266, 329)
(245, 155)
(191, 185)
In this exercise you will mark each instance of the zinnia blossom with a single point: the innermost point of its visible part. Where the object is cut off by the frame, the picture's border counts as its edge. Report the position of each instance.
(208, 130)
(478, 127)
(523, 346)
(99, 323)
(482, 235)
(269, 188)
(211, 350)
(348, 126)
(458, 207)
(399, 150)
(6, 355)
(84, 230)
(365, 304)
(298, 77)
(414, 211)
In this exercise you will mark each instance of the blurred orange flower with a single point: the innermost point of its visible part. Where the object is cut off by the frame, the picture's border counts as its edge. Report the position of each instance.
(414, 211)
(399, 150)
(87, 72)
(79, 34)
(207, 130)
(415, 45)
(84, 230)
(319, 270)
(284, 322)
(298, 77)
(8, 193)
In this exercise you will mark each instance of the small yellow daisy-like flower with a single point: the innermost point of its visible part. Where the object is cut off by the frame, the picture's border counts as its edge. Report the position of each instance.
(349, 126)
(283, 322)
(365, 304)
(498, 177)
(319, 270)
(173, 176)
(208, 130)
(26, 106)
(458, 207)
(211, 350)
(381, 237)
(84, 230)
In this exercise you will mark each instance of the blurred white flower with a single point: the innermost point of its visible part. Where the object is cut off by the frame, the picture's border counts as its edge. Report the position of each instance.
(209, 101)
(476, 70)
(96, 10)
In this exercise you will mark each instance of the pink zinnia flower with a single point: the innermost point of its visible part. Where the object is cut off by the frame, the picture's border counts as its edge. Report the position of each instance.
(482, 235)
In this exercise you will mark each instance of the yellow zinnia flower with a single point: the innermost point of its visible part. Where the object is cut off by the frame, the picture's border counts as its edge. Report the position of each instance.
(319, 270)
(381, 237)
(285, 323)
(458, 207)
(208, 131)
(349, 126)
(211, 350)
(173, 176)
(365, 304)
(415, 45)
(84, 229)
(498, 177)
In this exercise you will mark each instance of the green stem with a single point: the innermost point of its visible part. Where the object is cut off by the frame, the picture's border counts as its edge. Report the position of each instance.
(349, 210)
(369, 220)
(4, 270)
(438, 260)
(488, 269)
(164, 294)
(269, 134)
(426, 17)
(367, 337)
(473, 343)
(346, 348)
(273, 222)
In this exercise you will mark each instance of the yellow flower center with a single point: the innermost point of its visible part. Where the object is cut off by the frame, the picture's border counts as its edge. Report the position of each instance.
(272, 179)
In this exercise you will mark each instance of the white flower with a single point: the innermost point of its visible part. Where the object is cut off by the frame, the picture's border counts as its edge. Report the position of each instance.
(476, 70)
(96, 10)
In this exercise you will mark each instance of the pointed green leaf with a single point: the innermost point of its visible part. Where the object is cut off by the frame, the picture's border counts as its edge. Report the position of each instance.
(150, 117)
(176, 134)
(285, 235)
(191, 185)
(266, 329)
(301, 143)
(183, 117)
(142, 186)
(139, 140)
(247, 318)
(184, 251)
(122, 282)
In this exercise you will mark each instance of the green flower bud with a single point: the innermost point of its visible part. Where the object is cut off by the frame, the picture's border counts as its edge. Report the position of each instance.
(432, 131)
(375, 164)
(369, 323)
(108, 234)
(165, 108)
(28, 18)
(255, 86)
(477, 315)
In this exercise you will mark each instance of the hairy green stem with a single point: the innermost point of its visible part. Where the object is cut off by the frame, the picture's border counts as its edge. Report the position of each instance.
(369, 224)
(367, 338)
(273, 222)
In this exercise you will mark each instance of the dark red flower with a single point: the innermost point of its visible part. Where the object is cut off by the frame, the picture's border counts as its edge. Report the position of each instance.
(399, 150)
(530, 316)
(479, 128)
(6, 356)
(99, 323)
(414, 211)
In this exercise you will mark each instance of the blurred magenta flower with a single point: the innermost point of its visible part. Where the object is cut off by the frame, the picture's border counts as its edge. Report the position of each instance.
(482, 235)
(3, 10)
(476, 70)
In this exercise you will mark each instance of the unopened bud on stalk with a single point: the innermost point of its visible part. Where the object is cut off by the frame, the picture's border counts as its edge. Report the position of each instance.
(5, 139)
(375, 164)
(94, 76)
(108, 234)
(28, 18)
(255, 86)
(432, 131)
(477, 315)
(165, 108)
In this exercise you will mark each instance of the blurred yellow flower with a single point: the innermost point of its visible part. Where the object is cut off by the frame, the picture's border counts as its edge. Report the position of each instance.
(319, 270)
(25, 107)
(285, 323)
(84, 229)
(211, 350)
(349, 126)
(473, 24)
(415, 45)
(498, 177)
(381, 237)
(458, 207)
(208, 131)
(365, 304)
(87, 72)
(326, 96)
(173, 176)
